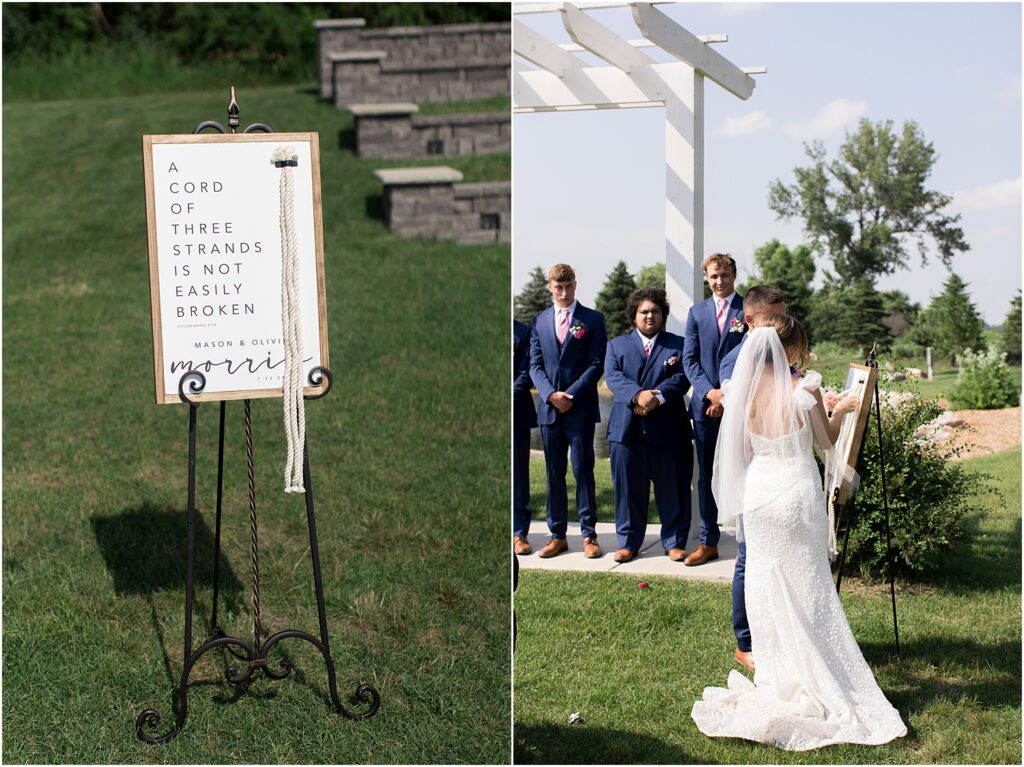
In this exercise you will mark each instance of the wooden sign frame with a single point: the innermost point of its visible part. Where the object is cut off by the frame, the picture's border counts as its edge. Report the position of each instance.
(860, 383)
(246, 374)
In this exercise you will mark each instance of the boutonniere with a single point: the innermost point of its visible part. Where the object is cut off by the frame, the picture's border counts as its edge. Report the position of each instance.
(736, 325)
(578, 330)
(671, 360)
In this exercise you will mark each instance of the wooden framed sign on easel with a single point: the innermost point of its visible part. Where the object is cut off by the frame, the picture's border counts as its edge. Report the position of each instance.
(215, 257)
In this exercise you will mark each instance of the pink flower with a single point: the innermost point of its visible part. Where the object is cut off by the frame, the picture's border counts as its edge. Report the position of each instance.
(671, 360)
(578, 331)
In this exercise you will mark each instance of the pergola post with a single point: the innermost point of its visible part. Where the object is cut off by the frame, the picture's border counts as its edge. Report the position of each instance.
(684, 193)
(632, 79)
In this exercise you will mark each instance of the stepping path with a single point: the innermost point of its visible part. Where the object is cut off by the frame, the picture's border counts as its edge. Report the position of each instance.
(651, 560)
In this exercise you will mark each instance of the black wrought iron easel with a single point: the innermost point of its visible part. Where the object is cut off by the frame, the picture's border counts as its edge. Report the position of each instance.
(872, 362)
(254, 655)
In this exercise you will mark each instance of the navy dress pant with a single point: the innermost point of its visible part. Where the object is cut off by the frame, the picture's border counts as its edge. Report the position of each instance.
(740, 627)
(706, 436)
(575, 436)
(634, 468)
(521, 482)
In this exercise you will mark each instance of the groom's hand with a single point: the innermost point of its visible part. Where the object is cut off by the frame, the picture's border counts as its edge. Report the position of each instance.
(715, 411)
(714, 396)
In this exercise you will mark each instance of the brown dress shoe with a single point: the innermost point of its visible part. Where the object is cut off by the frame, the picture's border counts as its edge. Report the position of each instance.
(744, 658)
(701, 555)
(521, 546)
(553, 547)
(624, 555)
(677, 555)
(591, 549)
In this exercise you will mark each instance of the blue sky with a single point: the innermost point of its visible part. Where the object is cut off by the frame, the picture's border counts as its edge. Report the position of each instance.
(589, 186)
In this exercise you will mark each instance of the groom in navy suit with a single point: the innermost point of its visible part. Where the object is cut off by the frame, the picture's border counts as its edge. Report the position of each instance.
(649, 431)
(713, 328)
(566, 361)
(759, 302)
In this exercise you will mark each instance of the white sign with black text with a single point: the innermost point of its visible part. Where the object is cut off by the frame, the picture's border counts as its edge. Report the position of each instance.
(213, 211)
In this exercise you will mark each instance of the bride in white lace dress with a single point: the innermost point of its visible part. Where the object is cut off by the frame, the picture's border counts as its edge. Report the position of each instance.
(812, 687)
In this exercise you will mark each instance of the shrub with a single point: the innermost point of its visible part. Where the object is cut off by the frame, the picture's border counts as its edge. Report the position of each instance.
(984, 382)
(907, 349)
(929, 494)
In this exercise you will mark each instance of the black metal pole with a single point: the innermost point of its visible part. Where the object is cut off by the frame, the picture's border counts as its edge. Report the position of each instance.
(872, 361)
(214, 625)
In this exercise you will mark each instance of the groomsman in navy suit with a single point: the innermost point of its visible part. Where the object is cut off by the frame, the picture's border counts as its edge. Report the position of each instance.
(566, 361)
(759, 302)
(713, 328)
(649, 430)
(524, 418)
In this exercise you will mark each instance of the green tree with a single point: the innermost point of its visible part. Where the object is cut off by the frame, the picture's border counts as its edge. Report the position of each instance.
(1010, 332)
(792, 272)
(533, 298)
(612, 299)
(849, 315)
(651, 276)
(951, 324)
(899, 312)
(861, 208)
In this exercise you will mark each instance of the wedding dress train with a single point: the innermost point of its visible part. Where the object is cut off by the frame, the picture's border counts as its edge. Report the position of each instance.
(812, 687)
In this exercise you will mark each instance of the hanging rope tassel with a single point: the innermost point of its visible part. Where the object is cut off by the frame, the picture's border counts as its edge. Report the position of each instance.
(286, 158)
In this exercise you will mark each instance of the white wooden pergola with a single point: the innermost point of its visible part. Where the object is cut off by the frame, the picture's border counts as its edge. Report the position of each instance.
(551, 77)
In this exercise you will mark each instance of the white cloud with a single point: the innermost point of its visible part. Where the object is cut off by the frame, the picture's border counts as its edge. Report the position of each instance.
(746, 125)
(998, 195)
(831, 120)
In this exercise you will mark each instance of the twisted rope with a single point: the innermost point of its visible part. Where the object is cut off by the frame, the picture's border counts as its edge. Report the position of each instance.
(257, 628)
(285, 157)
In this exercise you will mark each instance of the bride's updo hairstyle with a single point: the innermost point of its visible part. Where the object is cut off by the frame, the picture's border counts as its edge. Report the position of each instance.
(792, 335)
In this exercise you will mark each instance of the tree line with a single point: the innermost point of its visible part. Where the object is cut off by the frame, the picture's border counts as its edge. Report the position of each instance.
(273, 38)
(861, 211)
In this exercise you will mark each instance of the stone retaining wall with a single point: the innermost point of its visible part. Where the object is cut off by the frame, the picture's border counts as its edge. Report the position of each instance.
(428, 203)
(395, 130)
(487, 42)
(371, 77)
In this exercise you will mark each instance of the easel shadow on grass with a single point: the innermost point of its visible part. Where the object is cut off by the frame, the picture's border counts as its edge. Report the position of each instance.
(933, 669)
(144, 549)
(583, 744)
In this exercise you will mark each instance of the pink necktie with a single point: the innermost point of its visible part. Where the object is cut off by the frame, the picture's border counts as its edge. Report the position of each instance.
(563, 324)
(647, 348)
(721, 315)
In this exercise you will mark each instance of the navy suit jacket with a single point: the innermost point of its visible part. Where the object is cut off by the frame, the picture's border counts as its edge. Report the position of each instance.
(704, 348)
(627, 372)
(575, 368)
(728, 363)
(524, 413)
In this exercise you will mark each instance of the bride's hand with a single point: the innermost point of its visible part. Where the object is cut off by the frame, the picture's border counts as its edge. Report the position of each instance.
(845, 406)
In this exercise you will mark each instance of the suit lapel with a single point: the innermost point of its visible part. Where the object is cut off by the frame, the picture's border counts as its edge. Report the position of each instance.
(731, 312)
(548, 340)
(573, 319)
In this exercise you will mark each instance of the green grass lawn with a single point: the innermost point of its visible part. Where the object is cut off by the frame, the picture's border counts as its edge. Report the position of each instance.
(632, 662)
(409, 456)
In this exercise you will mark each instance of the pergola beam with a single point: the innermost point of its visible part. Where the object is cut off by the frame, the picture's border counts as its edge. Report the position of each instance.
(524, 8)
(601, 41)
(537, 90)
(668, 35)
(536, 48)
(644, 43)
